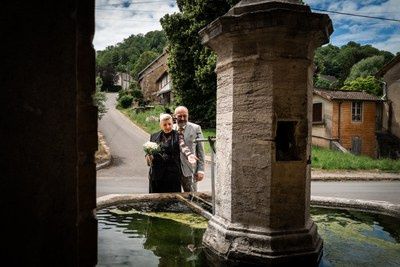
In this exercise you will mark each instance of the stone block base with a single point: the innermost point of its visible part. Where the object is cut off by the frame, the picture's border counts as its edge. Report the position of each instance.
(241, 246)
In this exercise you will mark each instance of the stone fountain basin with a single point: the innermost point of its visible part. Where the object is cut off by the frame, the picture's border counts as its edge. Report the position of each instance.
(354, 231)
(162, 198)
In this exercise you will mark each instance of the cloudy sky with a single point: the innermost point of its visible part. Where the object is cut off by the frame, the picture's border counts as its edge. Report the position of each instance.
(118, 19)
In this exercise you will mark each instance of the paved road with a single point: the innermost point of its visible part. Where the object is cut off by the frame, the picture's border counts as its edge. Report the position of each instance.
(128, 174)
(383, 191)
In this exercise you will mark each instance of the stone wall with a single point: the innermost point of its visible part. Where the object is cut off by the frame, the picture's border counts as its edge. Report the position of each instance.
(322, 133)
(392, 78)
(327, 109)
(264, 97)
(148, 79)
(389, 138)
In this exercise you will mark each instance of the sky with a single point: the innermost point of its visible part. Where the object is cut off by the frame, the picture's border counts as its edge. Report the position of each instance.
(118, 19)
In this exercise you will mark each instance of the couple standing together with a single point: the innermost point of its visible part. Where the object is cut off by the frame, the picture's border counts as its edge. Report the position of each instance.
(181, 160)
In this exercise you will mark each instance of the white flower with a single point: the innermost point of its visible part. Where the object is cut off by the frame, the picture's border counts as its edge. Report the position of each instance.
(151, 148)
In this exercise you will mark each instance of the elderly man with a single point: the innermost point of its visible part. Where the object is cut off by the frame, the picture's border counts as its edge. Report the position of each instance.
(191, 174)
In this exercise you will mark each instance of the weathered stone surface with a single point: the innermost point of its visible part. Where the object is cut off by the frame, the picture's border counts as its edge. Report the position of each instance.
(265, 51)
(267, 248)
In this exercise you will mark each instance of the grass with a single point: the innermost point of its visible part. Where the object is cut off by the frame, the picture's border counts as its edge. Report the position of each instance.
(321, 158)
(148, 121)
(333, 160)
(206, 134)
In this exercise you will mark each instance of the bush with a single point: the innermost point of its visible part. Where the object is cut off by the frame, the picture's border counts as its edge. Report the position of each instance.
(321, 83)
(138, 96)
(125, 101)
(99, 99)
(122, 93)
(369, 84)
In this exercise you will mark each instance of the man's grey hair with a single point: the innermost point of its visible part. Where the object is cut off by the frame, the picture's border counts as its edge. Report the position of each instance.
(181, 107)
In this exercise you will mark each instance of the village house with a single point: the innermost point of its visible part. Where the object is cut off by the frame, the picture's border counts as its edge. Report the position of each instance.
(346, 120)
(155, 81)
(389, 139)
(124, 80)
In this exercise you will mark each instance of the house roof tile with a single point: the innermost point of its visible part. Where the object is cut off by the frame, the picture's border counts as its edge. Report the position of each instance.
(345, 95)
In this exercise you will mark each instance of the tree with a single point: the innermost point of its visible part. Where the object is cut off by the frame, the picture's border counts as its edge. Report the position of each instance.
(192, 65)
(324, 60)
(366, 67)
(99, 99)
(122, 57)
(368, 84)
(106, 62)
(143, 61)
(322, 83)
(337, 62)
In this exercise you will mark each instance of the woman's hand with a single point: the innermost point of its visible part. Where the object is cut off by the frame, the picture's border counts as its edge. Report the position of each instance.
(149, 159)
(192, 159)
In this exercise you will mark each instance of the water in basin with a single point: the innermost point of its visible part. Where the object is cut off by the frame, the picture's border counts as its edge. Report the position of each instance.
(172, 237)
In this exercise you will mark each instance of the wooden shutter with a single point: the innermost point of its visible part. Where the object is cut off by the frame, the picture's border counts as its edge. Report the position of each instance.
(317, 112)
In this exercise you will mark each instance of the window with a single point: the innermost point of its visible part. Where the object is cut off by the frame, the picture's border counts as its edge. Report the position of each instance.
(164, 81)
(317, 112)
(356, 111)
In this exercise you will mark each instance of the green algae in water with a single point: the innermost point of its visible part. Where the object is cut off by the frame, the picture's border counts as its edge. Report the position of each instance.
(354, 238)
(128, 237)
(190, 219)
(133, 238)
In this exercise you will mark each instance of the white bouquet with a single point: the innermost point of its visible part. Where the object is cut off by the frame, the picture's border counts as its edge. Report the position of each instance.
(151, 148)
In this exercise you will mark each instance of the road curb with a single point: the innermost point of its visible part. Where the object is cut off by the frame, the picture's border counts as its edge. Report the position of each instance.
(104, 164)
(373, 206)
(361, 175)
(352, 179)
(381, 207)
(345, 175)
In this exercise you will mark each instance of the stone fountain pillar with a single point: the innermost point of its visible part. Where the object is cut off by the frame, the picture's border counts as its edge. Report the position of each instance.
(264, 69)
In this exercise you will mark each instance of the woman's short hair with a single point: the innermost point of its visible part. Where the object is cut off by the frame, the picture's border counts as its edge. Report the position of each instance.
(165, 117)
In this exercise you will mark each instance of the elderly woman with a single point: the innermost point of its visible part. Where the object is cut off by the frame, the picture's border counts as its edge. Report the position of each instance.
(165, 171)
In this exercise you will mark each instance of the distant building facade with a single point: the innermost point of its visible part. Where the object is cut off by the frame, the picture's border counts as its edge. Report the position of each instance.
(124, 80)
(389, 141)
(391, 111)
(348, 118)
(164, 84)
(155, 81)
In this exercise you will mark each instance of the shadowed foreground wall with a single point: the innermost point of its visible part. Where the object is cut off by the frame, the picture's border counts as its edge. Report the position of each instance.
(49, 129)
